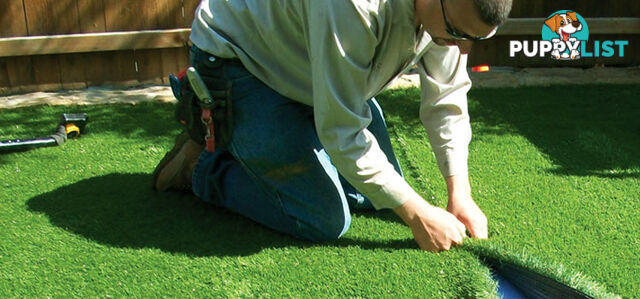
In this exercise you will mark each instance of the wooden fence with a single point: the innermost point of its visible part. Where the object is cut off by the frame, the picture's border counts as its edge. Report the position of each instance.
(74, 44)
(131, 66)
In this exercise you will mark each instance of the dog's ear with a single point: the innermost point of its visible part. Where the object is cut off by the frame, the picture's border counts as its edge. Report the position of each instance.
(552, 22)
(572, 15)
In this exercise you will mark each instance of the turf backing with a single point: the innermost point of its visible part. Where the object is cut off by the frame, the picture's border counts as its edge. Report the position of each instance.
(557, 178)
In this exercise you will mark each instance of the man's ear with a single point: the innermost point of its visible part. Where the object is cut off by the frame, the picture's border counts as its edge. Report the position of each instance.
(573, 16)
(552, 22)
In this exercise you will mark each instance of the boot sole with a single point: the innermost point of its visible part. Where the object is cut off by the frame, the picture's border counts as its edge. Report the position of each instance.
(168, 157)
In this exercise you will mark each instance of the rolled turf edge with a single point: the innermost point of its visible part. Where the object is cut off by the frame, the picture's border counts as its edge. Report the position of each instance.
(491, 253)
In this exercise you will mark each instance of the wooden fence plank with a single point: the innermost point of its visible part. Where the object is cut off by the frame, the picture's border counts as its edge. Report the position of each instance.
(92, 42)
(482, 53)
(5, 84)
(68, 24)
(114, 10)
(71, 67)
(72, 71)
(150, 63)
(189, 11)
(173, 61)
(169, 14)
(20, 72)
(91, 16)
(128, 15)
(36, 23)
(111, 68)
(42, 67)
(119, 15)
(125, 66)
(46, 72)
(549, 7)
(48, 69)
(48, 17)
(105, 68)
(149, 66)
(12, 21)
(96, 71)
(170, 58)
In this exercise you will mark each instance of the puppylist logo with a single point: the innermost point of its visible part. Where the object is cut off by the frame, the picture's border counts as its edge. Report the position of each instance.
(566, 30)
(565, 36)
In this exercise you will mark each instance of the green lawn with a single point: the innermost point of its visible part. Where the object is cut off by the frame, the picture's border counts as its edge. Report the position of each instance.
(558, 177)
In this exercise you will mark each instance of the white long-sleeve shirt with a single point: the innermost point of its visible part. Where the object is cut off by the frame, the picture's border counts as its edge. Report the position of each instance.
(335, 55)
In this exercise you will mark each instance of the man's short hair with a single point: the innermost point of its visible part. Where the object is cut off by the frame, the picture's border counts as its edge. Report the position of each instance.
(493, 12)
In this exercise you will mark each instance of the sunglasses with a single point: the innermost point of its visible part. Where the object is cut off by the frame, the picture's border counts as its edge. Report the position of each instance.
(463, 36)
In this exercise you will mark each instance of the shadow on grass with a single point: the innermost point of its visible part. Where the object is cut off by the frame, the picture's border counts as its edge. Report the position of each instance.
(121, 210)
(585, 130)
(591, 130)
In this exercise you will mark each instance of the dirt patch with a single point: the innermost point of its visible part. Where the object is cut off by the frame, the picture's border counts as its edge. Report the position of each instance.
(90, 96)
(498, 77)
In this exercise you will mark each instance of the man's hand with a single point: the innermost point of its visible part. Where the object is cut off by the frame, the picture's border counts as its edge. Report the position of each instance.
(464, 208)
(433, 228)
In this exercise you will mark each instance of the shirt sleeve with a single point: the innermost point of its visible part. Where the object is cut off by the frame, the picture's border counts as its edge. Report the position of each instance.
(443, 109)
(341, 56)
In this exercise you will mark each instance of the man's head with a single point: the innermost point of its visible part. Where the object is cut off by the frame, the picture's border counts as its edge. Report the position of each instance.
(460, 22)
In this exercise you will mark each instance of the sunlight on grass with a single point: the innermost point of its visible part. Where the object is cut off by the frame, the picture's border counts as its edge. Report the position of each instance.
(557, 180)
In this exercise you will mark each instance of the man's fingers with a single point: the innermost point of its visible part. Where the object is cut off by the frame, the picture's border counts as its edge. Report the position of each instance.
(457, 240)
(478, 229)
(471, 228)
(427, 245)
(461, 228)
(480, 233)
(460, 233)
(477, 226)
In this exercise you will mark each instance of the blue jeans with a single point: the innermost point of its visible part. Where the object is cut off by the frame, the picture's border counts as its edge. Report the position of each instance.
(275, 170)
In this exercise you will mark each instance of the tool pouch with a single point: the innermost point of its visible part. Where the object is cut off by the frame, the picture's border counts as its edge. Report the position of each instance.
(189, 108)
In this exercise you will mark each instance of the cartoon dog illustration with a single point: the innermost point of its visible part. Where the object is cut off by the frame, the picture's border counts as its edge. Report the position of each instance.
(564, 24)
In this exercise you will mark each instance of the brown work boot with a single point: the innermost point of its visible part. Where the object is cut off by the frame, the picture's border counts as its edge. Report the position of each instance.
(174, 170)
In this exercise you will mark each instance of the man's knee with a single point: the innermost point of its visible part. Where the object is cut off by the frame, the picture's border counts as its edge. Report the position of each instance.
(325, 229)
